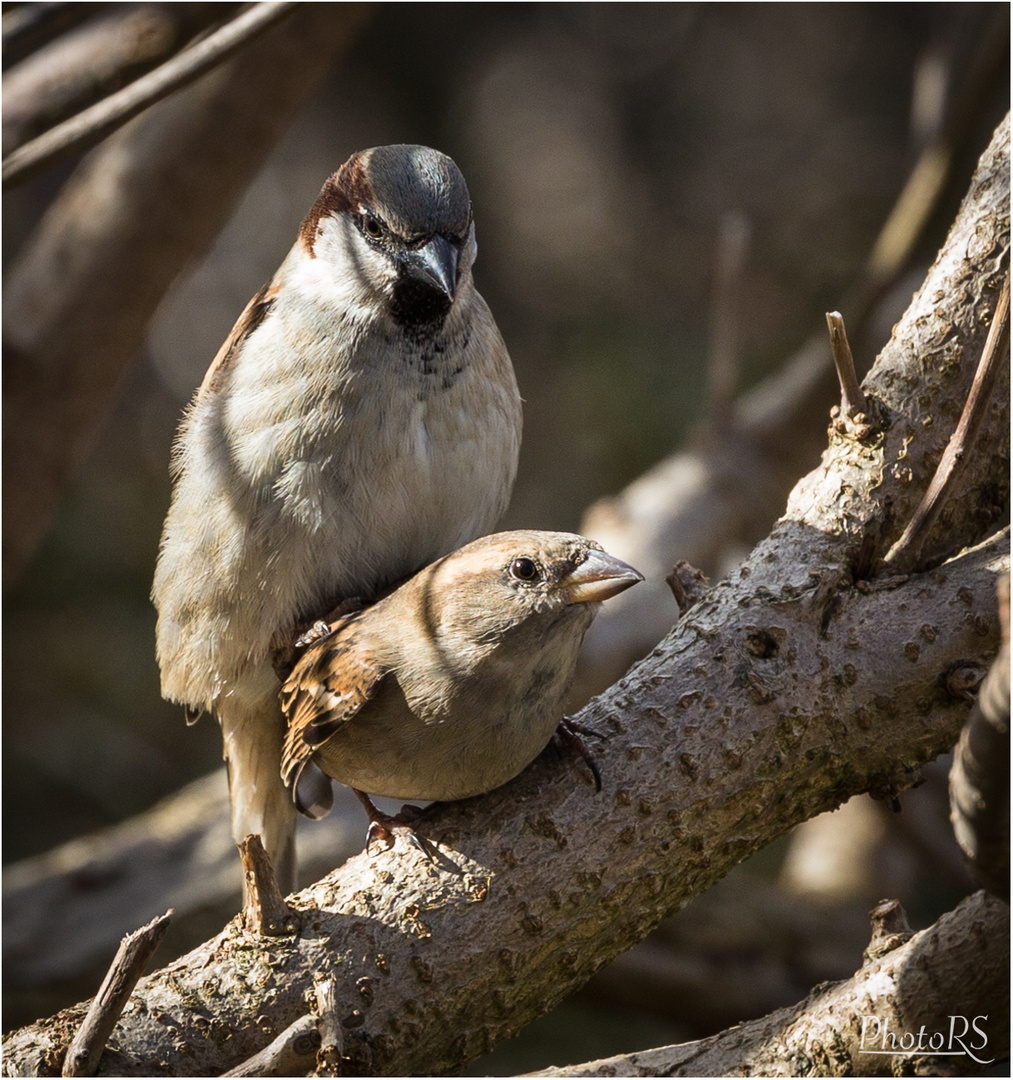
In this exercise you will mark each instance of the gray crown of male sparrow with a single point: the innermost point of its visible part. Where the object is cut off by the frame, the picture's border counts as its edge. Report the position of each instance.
(412, 204)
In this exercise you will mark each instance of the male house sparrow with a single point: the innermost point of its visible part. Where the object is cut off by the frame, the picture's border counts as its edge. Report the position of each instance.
(455, 682)
(361, 420)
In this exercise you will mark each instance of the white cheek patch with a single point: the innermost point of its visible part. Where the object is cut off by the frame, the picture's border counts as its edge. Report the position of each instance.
(345, 269)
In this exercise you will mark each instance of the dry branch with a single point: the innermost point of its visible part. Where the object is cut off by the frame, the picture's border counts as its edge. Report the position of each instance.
(264, 911)
(151, 198)
(852, 398)
(906, 553)
(952, 970)
(292, 1053)
(127, 967)
(332, 1042)
(784, 691)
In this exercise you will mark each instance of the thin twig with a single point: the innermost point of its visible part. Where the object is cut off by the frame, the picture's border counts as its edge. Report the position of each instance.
(128, 966)
(688, 585)
(265, 911)
(906, 552)
(94, 124)
(329, 1025)
(852, 399)
(292, 1053)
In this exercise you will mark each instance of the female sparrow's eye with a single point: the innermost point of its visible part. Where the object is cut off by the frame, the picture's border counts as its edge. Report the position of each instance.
(371, 226)
(525, 569)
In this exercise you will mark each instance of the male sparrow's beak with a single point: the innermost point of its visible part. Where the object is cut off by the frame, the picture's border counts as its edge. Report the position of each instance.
(435, 265)
(597, 578)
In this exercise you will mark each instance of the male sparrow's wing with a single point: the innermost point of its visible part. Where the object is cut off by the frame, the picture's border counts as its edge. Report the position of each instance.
(326, 689)
(253, 315)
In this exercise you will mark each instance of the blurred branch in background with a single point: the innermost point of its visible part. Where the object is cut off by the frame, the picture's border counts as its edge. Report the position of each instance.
(979, 779)
(29, 27)
(905, 987)
(79, 68)
(79, 299)
(709, 502)
(89, 127)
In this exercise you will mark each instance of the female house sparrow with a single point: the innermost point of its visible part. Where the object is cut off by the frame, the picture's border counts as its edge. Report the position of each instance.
(454, 683)
(361, 420)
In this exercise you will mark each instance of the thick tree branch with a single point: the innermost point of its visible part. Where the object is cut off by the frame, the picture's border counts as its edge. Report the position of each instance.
(151, 198)
(785, 690)
(863, 1026)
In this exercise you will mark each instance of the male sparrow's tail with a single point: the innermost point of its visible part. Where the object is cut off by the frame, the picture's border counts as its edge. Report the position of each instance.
(253, 734)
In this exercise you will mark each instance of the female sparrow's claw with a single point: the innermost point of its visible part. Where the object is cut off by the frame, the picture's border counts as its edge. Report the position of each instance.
(566, 734)
(389, 827)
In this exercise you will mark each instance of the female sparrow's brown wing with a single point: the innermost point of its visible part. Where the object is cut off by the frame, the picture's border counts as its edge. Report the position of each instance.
(326, 689)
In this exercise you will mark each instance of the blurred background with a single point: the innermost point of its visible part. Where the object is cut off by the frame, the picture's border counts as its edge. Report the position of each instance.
(620, 158)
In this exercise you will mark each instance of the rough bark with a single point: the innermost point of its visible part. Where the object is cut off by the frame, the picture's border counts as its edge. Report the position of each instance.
(78, 301)
(791, 686)
(952, 971)
(979, 779)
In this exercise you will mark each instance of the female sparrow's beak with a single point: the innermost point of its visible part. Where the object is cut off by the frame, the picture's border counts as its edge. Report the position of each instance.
(435, 265)
(597, 578)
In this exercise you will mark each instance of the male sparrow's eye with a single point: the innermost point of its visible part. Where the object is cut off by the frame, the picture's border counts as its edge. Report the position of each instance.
(525, 569)
(372, 227)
